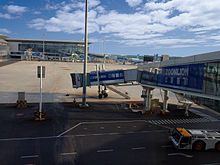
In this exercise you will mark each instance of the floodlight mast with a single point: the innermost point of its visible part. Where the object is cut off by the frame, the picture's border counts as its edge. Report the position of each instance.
(85, 55)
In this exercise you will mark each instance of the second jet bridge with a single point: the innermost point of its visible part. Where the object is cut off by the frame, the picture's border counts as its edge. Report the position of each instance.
(105, 77)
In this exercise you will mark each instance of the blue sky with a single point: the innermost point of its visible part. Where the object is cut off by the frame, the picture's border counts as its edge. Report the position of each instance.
(173, 27)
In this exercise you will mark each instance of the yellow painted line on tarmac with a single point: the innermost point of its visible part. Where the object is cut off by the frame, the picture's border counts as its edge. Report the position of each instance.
(56, 84)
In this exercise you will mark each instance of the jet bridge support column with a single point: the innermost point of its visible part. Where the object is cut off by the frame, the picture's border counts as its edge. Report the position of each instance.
(146, 93)
(165, 100)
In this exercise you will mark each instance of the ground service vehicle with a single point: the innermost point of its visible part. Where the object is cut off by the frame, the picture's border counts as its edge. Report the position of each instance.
(195, 139)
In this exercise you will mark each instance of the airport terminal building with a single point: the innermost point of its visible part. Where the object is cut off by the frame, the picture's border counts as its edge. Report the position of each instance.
(55, 49)
(4, 49)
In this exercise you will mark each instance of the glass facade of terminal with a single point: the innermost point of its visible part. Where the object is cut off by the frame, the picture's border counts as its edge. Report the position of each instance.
(52, 48)
(211, 80)
(3, 50)
(211, 86)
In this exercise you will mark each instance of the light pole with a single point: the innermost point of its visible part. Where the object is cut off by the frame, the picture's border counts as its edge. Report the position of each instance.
(43, 46)
(103, 48)
(85, 55)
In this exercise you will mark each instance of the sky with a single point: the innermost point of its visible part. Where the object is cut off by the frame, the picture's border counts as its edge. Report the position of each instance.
(130, 27)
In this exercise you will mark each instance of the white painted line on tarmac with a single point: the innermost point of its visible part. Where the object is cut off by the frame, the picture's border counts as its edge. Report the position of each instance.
(69, 153)
(168, 121)
(69, 136)
(114, 133)
(165, 122)
(110, 122)
(28, 138)
(96, 134)
(180, 154)
(212, 164)
(134, 126)
(138, 148)
(111, 150)
(69, 129)
(80, 135)
(167, 146)
(102, 128)
(130, 132)
(29, 156)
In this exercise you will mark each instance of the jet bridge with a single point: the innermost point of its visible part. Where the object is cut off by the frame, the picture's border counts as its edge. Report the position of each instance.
(195, 77)
(104, 78)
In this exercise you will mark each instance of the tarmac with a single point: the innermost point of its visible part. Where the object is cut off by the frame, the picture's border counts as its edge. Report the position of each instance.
(21, 76)
(105, 133)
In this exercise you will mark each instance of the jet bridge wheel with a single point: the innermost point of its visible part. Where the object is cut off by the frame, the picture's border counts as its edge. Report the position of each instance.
(105, 95)
(100, 96)
(198, 146)
(217, 146)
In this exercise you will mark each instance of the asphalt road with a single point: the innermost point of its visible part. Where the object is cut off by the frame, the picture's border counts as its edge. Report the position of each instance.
(102, 134)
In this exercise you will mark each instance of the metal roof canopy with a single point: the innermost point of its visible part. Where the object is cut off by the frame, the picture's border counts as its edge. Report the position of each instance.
(44, 40)
(200, 58)
(3, 42)
(3, 36)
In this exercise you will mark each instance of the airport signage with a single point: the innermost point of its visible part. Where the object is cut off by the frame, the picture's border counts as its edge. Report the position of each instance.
(39, 71)
(107, 77)
(183, 77)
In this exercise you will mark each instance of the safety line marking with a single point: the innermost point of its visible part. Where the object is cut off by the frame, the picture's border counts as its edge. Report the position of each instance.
(56, 84)
(28, 138)
(69, 129)
(138, 148)
(70, 136)
(212, 164)
(167, 146)
(109, 122)
(29, 156)
(69, 153)
(180, 154)
(111, 150)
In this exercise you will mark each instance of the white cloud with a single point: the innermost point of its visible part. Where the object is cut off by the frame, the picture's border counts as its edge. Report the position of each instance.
(165, 42)
(66, 22)
(3, 30)
(213, 37)
(75, 4)
(213, 45)
(93, 3)
(14, 9)
(36, 12)
(147, 26)
(5, 16)
(191, 13)
(182, 46)
(133, 3)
